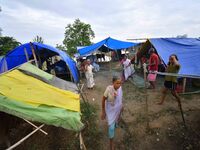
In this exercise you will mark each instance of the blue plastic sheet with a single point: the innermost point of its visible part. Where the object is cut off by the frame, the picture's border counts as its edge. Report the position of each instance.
(110, 43)
(187, 50)
(17, 57)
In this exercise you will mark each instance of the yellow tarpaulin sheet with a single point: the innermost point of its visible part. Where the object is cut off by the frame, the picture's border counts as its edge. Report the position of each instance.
(24, 88)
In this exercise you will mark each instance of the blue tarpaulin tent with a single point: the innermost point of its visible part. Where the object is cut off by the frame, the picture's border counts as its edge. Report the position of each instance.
(17, 57)
(187, 50)
(110, 43)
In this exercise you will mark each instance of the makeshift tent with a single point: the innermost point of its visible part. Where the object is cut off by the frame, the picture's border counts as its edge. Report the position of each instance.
(106, 45)
(27, 92)
(187, 50)
(19, 56)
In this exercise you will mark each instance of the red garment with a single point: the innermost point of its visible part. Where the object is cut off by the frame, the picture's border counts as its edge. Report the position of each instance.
(153, 58)
(143, 60)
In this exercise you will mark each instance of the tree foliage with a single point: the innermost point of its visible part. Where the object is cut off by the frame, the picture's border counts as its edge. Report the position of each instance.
(182, 36)
(77, 34)
(61, 47)
(7, 43)
(38, 39)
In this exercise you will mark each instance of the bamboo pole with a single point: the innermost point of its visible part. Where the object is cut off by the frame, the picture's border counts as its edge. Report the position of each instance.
(35, 126)
(26, 54)
(84, 101)
(146, 96)
(23, 139)
(194, 92)
(180, 106)
(82, 145)
(184, 84)
(33, 52)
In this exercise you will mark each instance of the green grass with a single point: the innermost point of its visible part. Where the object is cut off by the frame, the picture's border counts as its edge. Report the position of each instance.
(91, 133)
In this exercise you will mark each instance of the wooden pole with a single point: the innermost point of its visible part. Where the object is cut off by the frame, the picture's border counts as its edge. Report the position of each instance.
(33, 52)
(146, 95)
(26, 54)
(184, 84)
(35, 126)
(23, 139)
(135, 63)
(180, 106)
(82, 145)
(81, 94)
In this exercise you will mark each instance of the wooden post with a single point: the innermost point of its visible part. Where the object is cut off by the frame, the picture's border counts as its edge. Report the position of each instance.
(145, 76)
(135, 63)
(82, 145)
(26, 54)
(184, 84)
(26, 137)
(146, 96)
(35, 126)
(33, 52)
(110, 62)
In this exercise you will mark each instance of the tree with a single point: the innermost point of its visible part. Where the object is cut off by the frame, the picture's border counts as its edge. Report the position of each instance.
(61, 47)
(182, 36)
(7, 43)
(38, 39)
(77, 34)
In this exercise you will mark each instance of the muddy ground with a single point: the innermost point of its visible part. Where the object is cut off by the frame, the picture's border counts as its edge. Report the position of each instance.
(161, 127)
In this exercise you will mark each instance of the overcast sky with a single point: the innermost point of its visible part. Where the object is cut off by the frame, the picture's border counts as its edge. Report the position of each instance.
(120, 19)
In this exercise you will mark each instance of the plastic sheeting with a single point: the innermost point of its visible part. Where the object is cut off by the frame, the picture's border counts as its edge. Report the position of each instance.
(187, 50)
(16, 85)
(17, 57)
(110, 43)
(24, 92)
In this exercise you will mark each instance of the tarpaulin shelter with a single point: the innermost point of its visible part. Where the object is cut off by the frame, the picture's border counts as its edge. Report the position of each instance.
(106, 45)
(187, 50)
(19, 56)
(30, 93)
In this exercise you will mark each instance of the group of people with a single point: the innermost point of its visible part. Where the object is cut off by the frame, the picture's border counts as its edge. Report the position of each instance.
(112, 106)
(170, 82)
(88, 67)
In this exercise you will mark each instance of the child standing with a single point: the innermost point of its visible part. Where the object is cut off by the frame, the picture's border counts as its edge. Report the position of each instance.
(112, 106)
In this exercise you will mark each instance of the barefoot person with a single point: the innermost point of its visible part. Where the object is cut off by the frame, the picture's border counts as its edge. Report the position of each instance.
(171, 81)
(112, 107)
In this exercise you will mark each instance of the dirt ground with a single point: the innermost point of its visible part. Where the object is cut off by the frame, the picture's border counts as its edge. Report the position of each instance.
(159, 127)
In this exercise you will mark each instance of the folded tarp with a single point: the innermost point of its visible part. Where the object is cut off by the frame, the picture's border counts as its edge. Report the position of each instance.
(187, 50)
(30, 98)
(110, 43)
